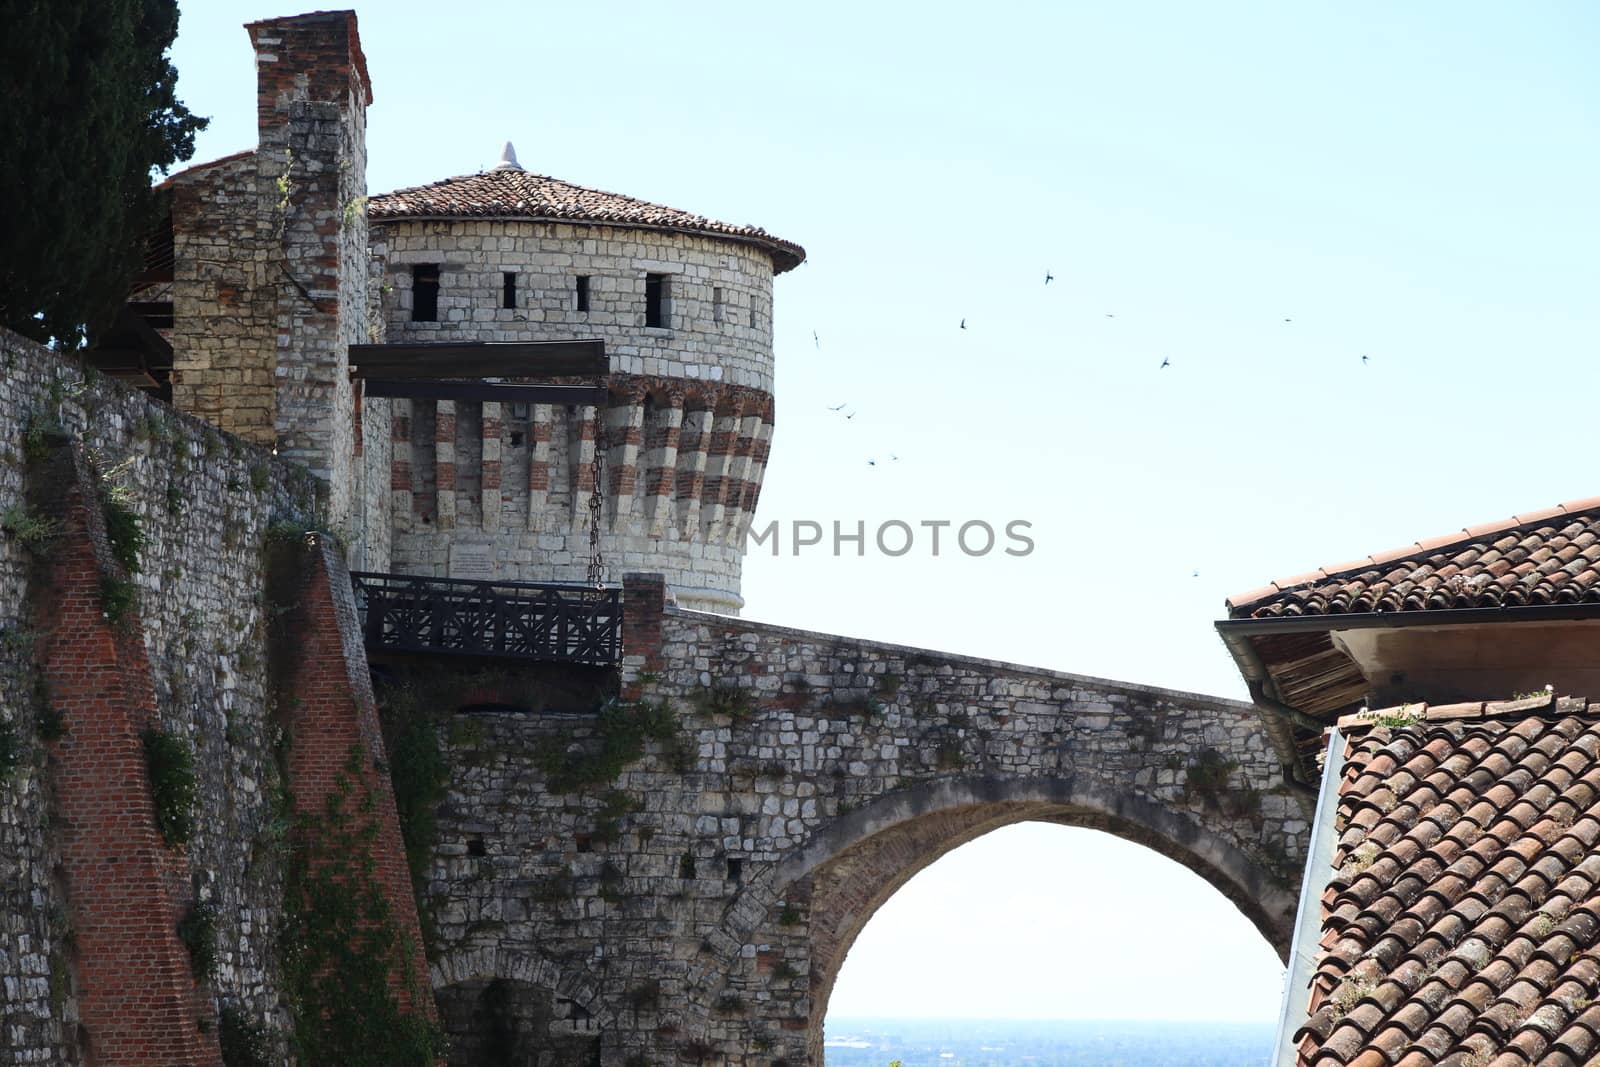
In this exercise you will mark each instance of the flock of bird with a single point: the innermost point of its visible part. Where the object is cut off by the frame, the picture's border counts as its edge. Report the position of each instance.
(1048, 278)
(1166, 361)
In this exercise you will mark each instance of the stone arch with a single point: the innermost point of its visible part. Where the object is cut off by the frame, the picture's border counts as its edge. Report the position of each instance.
(845, 871)
(522, 965)
(504, 1004)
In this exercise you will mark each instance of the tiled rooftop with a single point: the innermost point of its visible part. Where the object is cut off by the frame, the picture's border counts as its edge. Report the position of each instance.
(517, 194)
(1461, 925)
(1544, 557)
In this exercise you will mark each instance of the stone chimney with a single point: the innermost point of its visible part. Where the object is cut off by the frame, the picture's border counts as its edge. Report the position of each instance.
(311, 106)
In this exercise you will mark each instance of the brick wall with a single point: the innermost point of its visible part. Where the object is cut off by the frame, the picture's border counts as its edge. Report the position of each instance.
(331, 713)
(140, 1004)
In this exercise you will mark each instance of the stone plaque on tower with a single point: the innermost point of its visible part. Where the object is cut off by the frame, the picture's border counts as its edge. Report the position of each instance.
(471, 562)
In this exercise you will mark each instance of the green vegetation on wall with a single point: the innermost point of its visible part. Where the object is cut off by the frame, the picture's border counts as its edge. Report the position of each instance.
(341, 942)
(244, 1043)
(170, 761)
(621, 730)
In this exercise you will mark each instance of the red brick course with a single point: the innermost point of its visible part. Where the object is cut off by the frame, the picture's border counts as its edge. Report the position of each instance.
(644, 601)
(332, 708)
(126, 889)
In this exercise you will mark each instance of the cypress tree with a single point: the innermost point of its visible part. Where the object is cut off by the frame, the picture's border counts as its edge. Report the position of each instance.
(90, 113)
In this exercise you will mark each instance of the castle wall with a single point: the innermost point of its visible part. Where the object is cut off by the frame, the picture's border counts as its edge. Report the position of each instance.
(697, 905)
(188, 656)
(204, 500)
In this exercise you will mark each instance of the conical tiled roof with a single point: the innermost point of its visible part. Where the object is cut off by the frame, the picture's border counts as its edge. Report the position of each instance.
(513, 193)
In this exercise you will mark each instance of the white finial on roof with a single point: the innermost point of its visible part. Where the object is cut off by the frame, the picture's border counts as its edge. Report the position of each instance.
(508, 159)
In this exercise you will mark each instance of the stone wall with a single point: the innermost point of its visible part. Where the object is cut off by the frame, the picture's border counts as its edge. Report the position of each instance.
(92, 654)
(720, 293)
(224, 300)
(205, 501)
(699, 903)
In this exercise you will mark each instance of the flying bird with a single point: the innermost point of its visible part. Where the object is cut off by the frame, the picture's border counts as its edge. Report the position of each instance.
(1288, 320)
(817, 340)
(1363, 357)
(872, 463)
(963, 324)
(850, 415)
(1048, 277)
(893, 457)
(1165, 363)
(840, 407)
(1109, 315)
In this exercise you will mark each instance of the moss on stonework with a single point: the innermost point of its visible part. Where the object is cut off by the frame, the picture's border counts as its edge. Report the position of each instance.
(621, 730)
(724, 699)
(1209, 779)
(245, 1043)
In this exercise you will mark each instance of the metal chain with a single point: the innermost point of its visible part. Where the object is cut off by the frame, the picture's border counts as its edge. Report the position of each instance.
(597, 563)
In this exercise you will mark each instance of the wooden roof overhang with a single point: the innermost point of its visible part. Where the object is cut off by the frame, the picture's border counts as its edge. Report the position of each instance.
(1297, 667)
(502, 371)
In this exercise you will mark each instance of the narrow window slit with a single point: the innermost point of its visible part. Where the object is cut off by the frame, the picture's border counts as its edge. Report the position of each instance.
(655, 300)
(425, 292)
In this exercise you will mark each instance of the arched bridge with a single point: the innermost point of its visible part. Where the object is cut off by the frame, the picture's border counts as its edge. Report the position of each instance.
(681, 882)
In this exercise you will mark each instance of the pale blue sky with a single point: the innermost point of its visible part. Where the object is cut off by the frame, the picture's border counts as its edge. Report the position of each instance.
(1413, 182)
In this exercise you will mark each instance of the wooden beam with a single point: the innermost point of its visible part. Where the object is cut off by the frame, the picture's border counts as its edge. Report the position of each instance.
(435, 389)
(481, 359)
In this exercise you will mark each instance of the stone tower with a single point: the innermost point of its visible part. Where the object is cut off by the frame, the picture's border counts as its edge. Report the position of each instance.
(683, 306)
(257, 280)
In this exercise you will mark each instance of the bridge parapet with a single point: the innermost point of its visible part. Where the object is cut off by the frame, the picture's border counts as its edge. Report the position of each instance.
(708, 893)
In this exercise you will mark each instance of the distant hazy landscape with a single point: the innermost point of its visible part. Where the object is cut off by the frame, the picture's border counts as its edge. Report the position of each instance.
(1010, 1043)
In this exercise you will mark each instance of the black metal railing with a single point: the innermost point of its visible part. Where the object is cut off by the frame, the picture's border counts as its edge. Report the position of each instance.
(523, 620)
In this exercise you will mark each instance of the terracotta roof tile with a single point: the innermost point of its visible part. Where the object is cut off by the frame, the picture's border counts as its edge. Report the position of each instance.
(1462, 919)
(1548, 556)
(517, 194)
